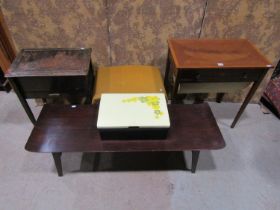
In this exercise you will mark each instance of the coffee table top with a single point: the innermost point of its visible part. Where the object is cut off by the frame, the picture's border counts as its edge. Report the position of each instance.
(216, 53)
(61, 128)
(51, 62)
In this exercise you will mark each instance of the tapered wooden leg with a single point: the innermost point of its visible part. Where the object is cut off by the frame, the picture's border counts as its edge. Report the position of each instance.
(244, 104)
(57, 161)
(174, 94)
(175, 97)
(219, 97)
(166, 75)
(195, 156)
(248, 98)
(22, 101)
(90, 81)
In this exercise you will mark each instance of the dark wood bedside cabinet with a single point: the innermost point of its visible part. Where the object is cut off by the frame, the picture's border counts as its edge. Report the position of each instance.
(45, 73)
(214, 63)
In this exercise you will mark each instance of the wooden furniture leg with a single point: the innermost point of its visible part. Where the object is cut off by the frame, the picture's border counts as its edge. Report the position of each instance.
(166, 75)
(247, 99)
(174, 95)
(195, 156)
(57, 161)
(22, 101)
(90, 84)
(219, 97)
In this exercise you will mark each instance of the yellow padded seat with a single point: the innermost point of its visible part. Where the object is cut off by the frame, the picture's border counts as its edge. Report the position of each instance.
(128, 79)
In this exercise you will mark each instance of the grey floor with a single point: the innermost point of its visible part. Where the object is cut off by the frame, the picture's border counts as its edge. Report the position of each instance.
(244, 175)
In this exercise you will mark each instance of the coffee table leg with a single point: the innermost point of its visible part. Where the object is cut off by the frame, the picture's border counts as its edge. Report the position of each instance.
(195, 156)
(57, 161)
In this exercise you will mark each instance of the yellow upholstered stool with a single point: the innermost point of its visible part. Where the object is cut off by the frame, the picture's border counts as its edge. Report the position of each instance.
(128, 79)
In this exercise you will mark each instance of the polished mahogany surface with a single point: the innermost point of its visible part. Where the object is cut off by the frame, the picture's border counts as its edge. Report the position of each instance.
(62, 128)
(208, 54)
(51, 62)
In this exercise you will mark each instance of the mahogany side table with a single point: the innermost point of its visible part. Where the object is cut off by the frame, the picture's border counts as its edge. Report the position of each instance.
(214, 61)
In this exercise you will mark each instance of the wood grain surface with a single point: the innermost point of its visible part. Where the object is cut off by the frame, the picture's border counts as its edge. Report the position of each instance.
(208, 54)
(61, 128)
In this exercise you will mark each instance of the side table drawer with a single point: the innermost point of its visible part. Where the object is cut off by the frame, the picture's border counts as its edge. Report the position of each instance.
(51, 86)
(220, 75)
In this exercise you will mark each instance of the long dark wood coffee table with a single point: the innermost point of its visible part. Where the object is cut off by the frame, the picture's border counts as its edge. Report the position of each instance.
(64, 128)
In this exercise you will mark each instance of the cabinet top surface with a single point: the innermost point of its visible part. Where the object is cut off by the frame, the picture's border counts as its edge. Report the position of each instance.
(209, 54)
(50, 62)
